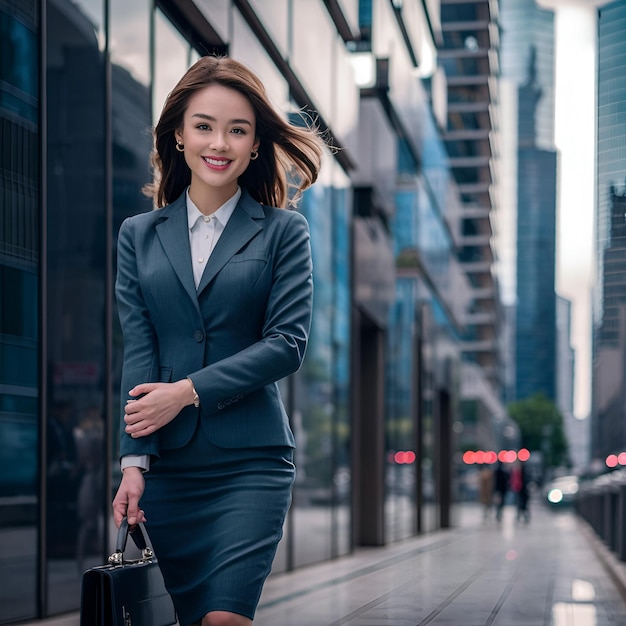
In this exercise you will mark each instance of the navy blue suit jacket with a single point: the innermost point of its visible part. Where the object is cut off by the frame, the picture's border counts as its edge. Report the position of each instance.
(242, 330)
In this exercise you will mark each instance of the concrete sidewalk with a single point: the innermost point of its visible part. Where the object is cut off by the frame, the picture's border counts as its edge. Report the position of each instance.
(550, 572)
(547, 572)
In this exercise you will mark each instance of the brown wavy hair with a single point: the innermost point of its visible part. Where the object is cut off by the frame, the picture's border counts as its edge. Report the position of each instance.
(289, 156)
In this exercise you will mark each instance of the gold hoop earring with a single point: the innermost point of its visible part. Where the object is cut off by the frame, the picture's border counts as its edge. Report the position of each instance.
(180, 147)
(254, 156)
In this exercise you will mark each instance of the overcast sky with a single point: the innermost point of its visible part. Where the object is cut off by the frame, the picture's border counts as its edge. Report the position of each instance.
(575, 139)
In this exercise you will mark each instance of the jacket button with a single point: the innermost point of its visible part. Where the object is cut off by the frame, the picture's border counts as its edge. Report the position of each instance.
(198, 335)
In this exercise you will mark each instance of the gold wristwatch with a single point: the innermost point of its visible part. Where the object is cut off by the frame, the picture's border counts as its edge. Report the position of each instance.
(196, 397)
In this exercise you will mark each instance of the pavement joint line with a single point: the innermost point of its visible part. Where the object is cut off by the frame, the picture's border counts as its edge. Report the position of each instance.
(547, 616)
(376, 567)
(503, 596)
(453, 596)
(372, 603)
(394, 592)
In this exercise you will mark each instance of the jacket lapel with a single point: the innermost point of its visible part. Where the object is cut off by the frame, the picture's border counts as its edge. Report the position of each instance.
(242, 226)
(173, 232)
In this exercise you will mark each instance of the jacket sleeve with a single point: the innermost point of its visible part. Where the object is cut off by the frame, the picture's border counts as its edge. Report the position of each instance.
(141, 362)
(281, 349)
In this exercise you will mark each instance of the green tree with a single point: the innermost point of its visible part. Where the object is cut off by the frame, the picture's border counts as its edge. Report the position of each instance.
(541, 428)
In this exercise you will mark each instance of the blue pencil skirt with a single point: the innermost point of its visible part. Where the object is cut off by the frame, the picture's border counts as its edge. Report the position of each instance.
(215, 517)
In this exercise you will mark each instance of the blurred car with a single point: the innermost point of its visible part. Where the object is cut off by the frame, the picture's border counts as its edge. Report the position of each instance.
(562, 491)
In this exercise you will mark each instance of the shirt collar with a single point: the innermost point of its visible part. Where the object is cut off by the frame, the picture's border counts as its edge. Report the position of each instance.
(222, 215)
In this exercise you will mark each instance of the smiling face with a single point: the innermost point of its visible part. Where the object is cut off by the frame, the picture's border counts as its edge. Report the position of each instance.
(219, 136)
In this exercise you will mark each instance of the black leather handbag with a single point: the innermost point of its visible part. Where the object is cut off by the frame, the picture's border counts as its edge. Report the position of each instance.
(126, 592)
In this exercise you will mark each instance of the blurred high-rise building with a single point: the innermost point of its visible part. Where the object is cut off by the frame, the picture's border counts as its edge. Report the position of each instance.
(470, 57)
(527, 32)
(608, 412)
(575, 429)
(528, 69)
(609, 311)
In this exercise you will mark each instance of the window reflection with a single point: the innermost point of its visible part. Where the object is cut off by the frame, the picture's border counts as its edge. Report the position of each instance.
(172, 58)
(564, 613)
(342, 479)
(19, 301)
(321, 419)
(428, 507)
(400, 478)
(76, 265)
(129, 37)
(314, 398)
(92, 10)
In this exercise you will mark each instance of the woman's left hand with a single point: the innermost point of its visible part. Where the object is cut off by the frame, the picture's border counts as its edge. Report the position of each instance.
(158, 405)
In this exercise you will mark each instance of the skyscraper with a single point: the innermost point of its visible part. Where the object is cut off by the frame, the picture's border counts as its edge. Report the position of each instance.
(535, 332)
(469, 57)
(528, 42)
(609, 346)
(528, 63)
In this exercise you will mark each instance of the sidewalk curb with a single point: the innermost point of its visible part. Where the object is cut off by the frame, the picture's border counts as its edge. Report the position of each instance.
(612, 564)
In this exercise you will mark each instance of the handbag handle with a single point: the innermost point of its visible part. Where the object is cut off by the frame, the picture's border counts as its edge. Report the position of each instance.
(138, 535)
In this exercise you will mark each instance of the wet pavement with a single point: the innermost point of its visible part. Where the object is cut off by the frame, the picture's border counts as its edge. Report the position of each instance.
(551, 571)
(546, 572)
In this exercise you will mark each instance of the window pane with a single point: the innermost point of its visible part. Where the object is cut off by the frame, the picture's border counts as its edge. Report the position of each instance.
(172, 55)
(76, 288)
(19, 304)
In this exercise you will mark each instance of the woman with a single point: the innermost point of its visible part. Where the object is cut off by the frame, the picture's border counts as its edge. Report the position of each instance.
(214, 295)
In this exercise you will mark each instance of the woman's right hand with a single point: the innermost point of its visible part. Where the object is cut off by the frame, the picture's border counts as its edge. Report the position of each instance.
(126, 501)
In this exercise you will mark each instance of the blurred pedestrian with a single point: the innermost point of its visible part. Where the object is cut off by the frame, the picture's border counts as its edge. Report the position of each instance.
(501, 488)
(89, 438)
(214, 293)
(62, 477)
(485, 489)
(519, 486)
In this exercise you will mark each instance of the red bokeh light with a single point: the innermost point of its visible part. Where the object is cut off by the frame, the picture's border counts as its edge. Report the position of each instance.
(404, 457)
(621, 458)
(491, 457)
(611, 460)
(510, 456)
(469, 457)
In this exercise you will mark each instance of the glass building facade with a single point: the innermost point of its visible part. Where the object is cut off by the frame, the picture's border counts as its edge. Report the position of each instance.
(527, 57)
(373, 407)
(611, 121)
(20, 256)
(609, 330)
(470, 57)
(528, 63)
(535, 328)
